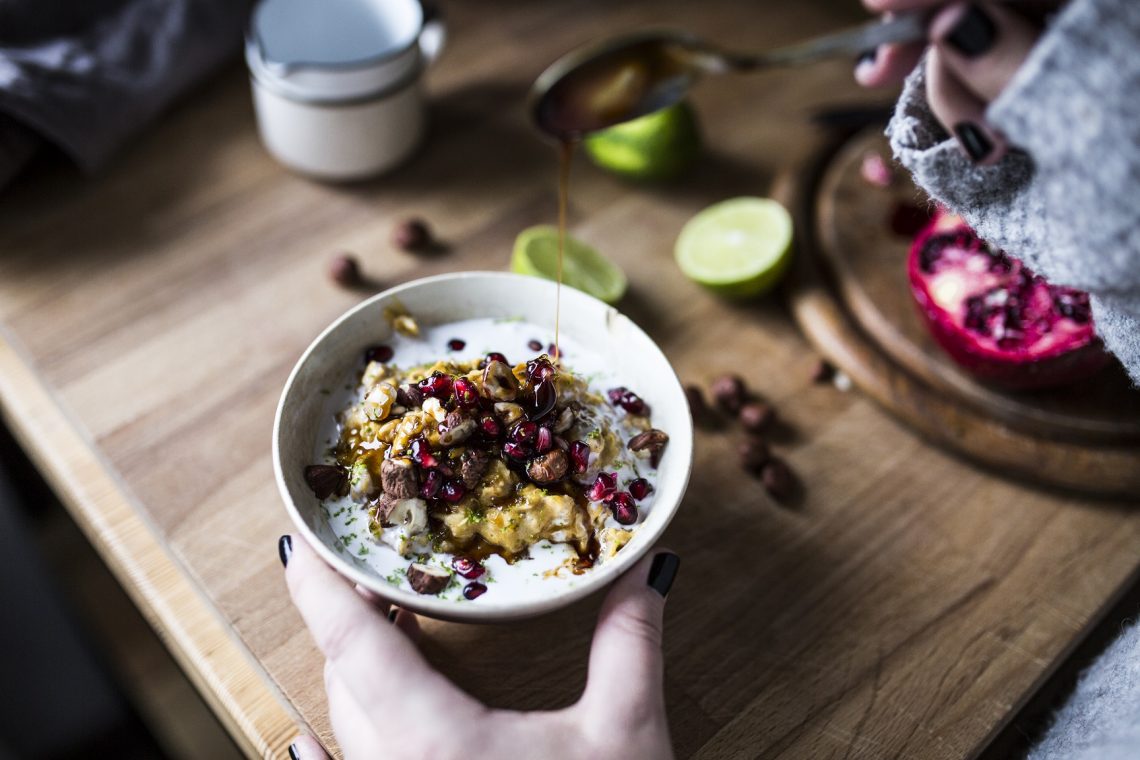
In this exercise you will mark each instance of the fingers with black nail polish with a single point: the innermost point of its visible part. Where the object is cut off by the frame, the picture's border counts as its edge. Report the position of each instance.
(974, 141)
(663, 571)
(285, 549)
(974, 33)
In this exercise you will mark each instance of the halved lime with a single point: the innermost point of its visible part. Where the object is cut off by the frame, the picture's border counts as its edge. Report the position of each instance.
(536, 254)
(739, 247)
(659, 145)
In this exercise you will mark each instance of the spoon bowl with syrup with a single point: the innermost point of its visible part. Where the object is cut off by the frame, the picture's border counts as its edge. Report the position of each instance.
(625, 77)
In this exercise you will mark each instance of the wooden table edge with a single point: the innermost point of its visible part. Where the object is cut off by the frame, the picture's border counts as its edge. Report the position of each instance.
(221, 668)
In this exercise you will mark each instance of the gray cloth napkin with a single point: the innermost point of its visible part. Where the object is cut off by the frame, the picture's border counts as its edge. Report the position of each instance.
(87, 76)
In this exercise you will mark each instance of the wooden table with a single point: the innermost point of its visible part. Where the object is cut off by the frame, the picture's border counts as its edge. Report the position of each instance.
(150, 316)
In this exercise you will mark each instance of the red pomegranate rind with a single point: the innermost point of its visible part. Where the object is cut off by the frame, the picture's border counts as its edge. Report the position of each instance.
(994, 317)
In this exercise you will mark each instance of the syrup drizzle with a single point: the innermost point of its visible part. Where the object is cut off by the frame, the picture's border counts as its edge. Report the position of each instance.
(566, 152)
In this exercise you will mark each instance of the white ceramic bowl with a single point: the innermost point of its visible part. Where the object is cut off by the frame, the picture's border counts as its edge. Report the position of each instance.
(465, 295)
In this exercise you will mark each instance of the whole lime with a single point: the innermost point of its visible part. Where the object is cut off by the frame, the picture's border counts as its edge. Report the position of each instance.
(657, 146)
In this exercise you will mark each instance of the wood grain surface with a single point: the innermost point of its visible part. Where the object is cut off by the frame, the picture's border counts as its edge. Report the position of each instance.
(853, 300)
(903, 606)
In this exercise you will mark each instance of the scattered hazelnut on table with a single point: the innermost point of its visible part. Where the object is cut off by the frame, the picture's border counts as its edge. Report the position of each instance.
(345, 270)
(753, 453)
(777, 478)
(412, 235)
(697, 406)
(755, 416)
(729, 393)
(822, 371)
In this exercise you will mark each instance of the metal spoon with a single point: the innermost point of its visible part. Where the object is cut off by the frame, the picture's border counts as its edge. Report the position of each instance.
(623, 78)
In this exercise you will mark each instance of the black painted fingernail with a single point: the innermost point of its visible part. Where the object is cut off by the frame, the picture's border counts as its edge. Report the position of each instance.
(392, 615)
(285, 549)
(663, 571)
(974, 140)
(867, 56)
(974, 33)
(293, 754)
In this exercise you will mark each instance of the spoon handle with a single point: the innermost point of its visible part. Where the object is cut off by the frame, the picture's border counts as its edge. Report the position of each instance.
(905, 27)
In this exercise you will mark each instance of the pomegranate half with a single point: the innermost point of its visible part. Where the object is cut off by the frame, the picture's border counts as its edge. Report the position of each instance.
(996, 318)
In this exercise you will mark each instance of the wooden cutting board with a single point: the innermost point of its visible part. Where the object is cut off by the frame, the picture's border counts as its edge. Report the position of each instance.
(853, 300)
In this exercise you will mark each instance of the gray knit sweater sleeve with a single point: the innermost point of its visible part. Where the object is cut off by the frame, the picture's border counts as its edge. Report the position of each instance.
(1068, 201)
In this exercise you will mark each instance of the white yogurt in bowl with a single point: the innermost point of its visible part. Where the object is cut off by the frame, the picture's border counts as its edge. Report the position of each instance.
(485, 312)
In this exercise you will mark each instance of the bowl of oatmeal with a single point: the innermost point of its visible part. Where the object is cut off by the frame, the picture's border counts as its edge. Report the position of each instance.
(435, 446)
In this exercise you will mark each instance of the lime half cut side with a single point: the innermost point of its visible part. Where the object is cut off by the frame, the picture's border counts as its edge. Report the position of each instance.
(738, 248)
(536, 254)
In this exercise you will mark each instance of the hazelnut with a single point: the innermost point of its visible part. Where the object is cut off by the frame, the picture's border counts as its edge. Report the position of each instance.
(753, 453)
(822, 371)
(697, 406)
(549, 467)
(345, 270)
(729, 393)
(755, 416)
(426, 579)
(499, 382)
(456, 428)
(398, 478)
(472, 467)
(410, 513)
(777, 478)
(326, 480)
(411, 235)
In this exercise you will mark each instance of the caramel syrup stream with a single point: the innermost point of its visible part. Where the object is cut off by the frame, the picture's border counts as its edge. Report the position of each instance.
(566, 152)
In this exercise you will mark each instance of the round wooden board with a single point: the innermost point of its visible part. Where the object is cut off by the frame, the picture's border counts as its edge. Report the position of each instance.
(850, 295)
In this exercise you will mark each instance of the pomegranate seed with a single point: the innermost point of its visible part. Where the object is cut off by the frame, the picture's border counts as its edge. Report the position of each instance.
(490, 426)
(545, 399)
(539, 369)
(633, 404)
(524, 432)
(534, 345)
(604, 487)
(467, 567)
(421, 454)
(378, 354)
(517, 451)
(580, 456)
(544, 441)
(625, 511)
(474, 590)
(456, 344)
(615, 394)
(452, 491)
(466, 394)
(431, 485)
(495, 356)
(640, 488)
(437, 386)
